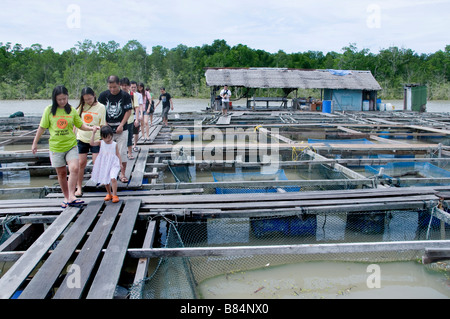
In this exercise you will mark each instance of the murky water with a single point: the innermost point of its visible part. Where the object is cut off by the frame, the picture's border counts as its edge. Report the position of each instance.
(331, 280)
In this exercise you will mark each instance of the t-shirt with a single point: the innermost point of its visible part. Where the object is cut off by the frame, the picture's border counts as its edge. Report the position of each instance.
(116, 107)
(135, 103)
(165, 98)
(92, 115)
(228, 93)
(60, 126)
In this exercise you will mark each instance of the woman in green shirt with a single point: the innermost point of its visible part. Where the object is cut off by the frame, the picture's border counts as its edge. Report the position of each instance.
(60, 118)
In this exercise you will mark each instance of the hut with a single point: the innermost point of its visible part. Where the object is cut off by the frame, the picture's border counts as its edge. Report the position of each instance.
(343, 90)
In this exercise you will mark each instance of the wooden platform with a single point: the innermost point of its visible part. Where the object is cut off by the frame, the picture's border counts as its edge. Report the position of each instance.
(81, 271)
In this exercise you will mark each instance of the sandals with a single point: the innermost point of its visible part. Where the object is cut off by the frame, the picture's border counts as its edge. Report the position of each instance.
(130, 157)
(135, 149)
(123, 179)
(115, 199)
(74, 203)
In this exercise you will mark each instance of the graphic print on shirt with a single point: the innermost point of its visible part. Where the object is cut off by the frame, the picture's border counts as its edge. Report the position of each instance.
(88, 118)
(114, 110)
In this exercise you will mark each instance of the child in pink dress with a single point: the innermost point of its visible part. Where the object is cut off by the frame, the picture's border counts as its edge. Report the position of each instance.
(107, 165)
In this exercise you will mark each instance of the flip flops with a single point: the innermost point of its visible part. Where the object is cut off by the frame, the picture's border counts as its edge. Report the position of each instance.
(76, 203)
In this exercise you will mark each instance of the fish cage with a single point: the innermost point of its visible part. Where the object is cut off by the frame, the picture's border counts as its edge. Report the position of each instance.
(399, 172)
(230, 245)
(279, 175)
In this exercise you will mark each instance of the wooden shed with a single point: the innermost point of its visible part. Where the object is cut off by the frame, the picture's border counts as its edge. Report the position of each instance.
(346, 89)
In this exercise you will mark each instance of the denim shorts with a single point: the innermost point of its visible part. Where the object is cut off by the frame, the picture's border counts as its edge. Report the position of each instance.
(84, 148)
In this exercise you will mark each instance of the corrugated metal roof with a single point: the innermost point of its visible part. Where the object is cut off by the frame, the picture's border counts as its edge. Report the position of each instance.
(291, 78)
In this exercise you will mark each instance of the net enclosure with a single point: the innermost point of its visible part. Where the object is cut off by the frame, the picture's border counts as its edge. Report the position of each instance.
(204, 248)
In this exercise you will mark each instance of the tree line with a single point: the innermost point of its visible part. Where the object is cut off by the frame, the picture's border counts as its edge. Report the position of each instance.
(33, 72)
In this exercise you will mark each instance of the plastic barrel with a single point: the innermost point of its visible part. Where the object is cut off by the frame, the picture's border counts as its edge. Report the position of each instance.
(326, 106)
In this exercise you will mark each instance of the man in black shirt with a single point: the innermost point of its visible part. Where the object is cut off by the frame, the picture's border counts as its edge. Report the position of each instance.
(166, 105)
(118, 109)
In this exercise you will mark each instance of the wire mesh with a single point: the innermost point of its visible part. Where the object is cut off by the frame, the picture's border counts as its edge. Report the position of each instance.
(178, 277)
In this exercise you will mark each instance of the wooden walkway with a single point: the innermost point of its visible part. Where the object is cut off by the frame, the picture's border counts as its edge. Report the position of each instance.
(116, 218)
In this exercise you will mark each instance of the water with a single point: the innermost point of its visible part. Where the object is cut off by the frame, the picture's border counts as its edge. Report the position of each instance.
(36, 107)
(330, 280)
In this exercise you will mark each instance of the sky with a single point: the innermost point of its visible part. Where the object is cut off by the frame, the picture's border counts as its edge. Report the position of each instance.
(288, 25)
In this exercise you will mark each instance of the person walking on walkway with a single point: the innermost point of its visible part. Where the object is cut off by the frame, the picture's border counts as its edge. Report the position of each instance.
(60, 118)
(107, 166)
(118, 109)
(167, 104)
(92, 113)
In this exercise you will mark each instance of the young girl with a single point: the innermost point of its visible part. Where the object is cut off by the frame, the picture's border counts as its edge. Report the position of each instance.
(107, 165)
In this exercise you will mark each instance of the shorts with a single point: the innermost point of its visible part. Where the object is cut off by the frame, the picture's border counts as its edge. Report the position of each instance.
(130, 134)
(225, 105)
(84, 148)
(165, 112)
(121, 140)
(62, 159)
(136, 129)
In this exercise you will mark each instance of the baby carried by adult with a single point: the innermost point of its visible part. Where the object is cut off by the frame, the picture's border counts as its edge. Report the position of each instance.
(107, 165)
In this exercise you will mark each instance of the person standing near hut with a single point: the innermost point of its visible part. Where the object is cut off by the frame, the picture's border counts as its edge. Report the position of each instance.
(60, 118)
(92, 113)
(167, 105)
(225, 95)
(118, 110)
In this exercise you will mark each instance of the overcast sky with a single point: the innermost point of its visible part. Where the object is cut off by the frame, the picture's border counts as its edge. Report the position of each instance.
(288, 25)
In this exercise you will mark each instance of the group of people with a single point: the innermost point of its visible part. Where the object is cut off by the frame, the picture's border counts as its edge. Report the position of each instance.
(104, 126)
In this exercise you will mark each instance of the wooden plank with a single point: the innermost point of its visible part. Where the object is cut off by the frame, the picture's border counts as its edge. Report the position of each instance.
(320, 249)
(289, 203)
(15, 276)
(224, 120)
(154, 134)
(105, 281)
(138, 193)
(313, 195)
(433, 255)
(142, 267)
(138, 172)
(18, 237)
(89, 254)
(44, 279)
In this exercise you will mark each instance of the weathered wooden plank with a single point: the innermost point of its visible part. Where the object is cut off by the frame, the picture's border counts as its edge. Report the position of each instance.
(89, 254)
(287, 249)
(289, 203)
(44, 279)
(139, 193)
(142, 267)
(154, 134)
(224, 120)
(433, 255)
(138, 172)
(15, 276)
(17, 238)
(105, 281)
(319, 195)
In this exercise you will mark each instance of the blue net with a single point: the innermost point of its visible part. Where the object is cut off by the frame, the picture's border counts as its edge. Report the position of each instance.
(401, 170)
(252, 176)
